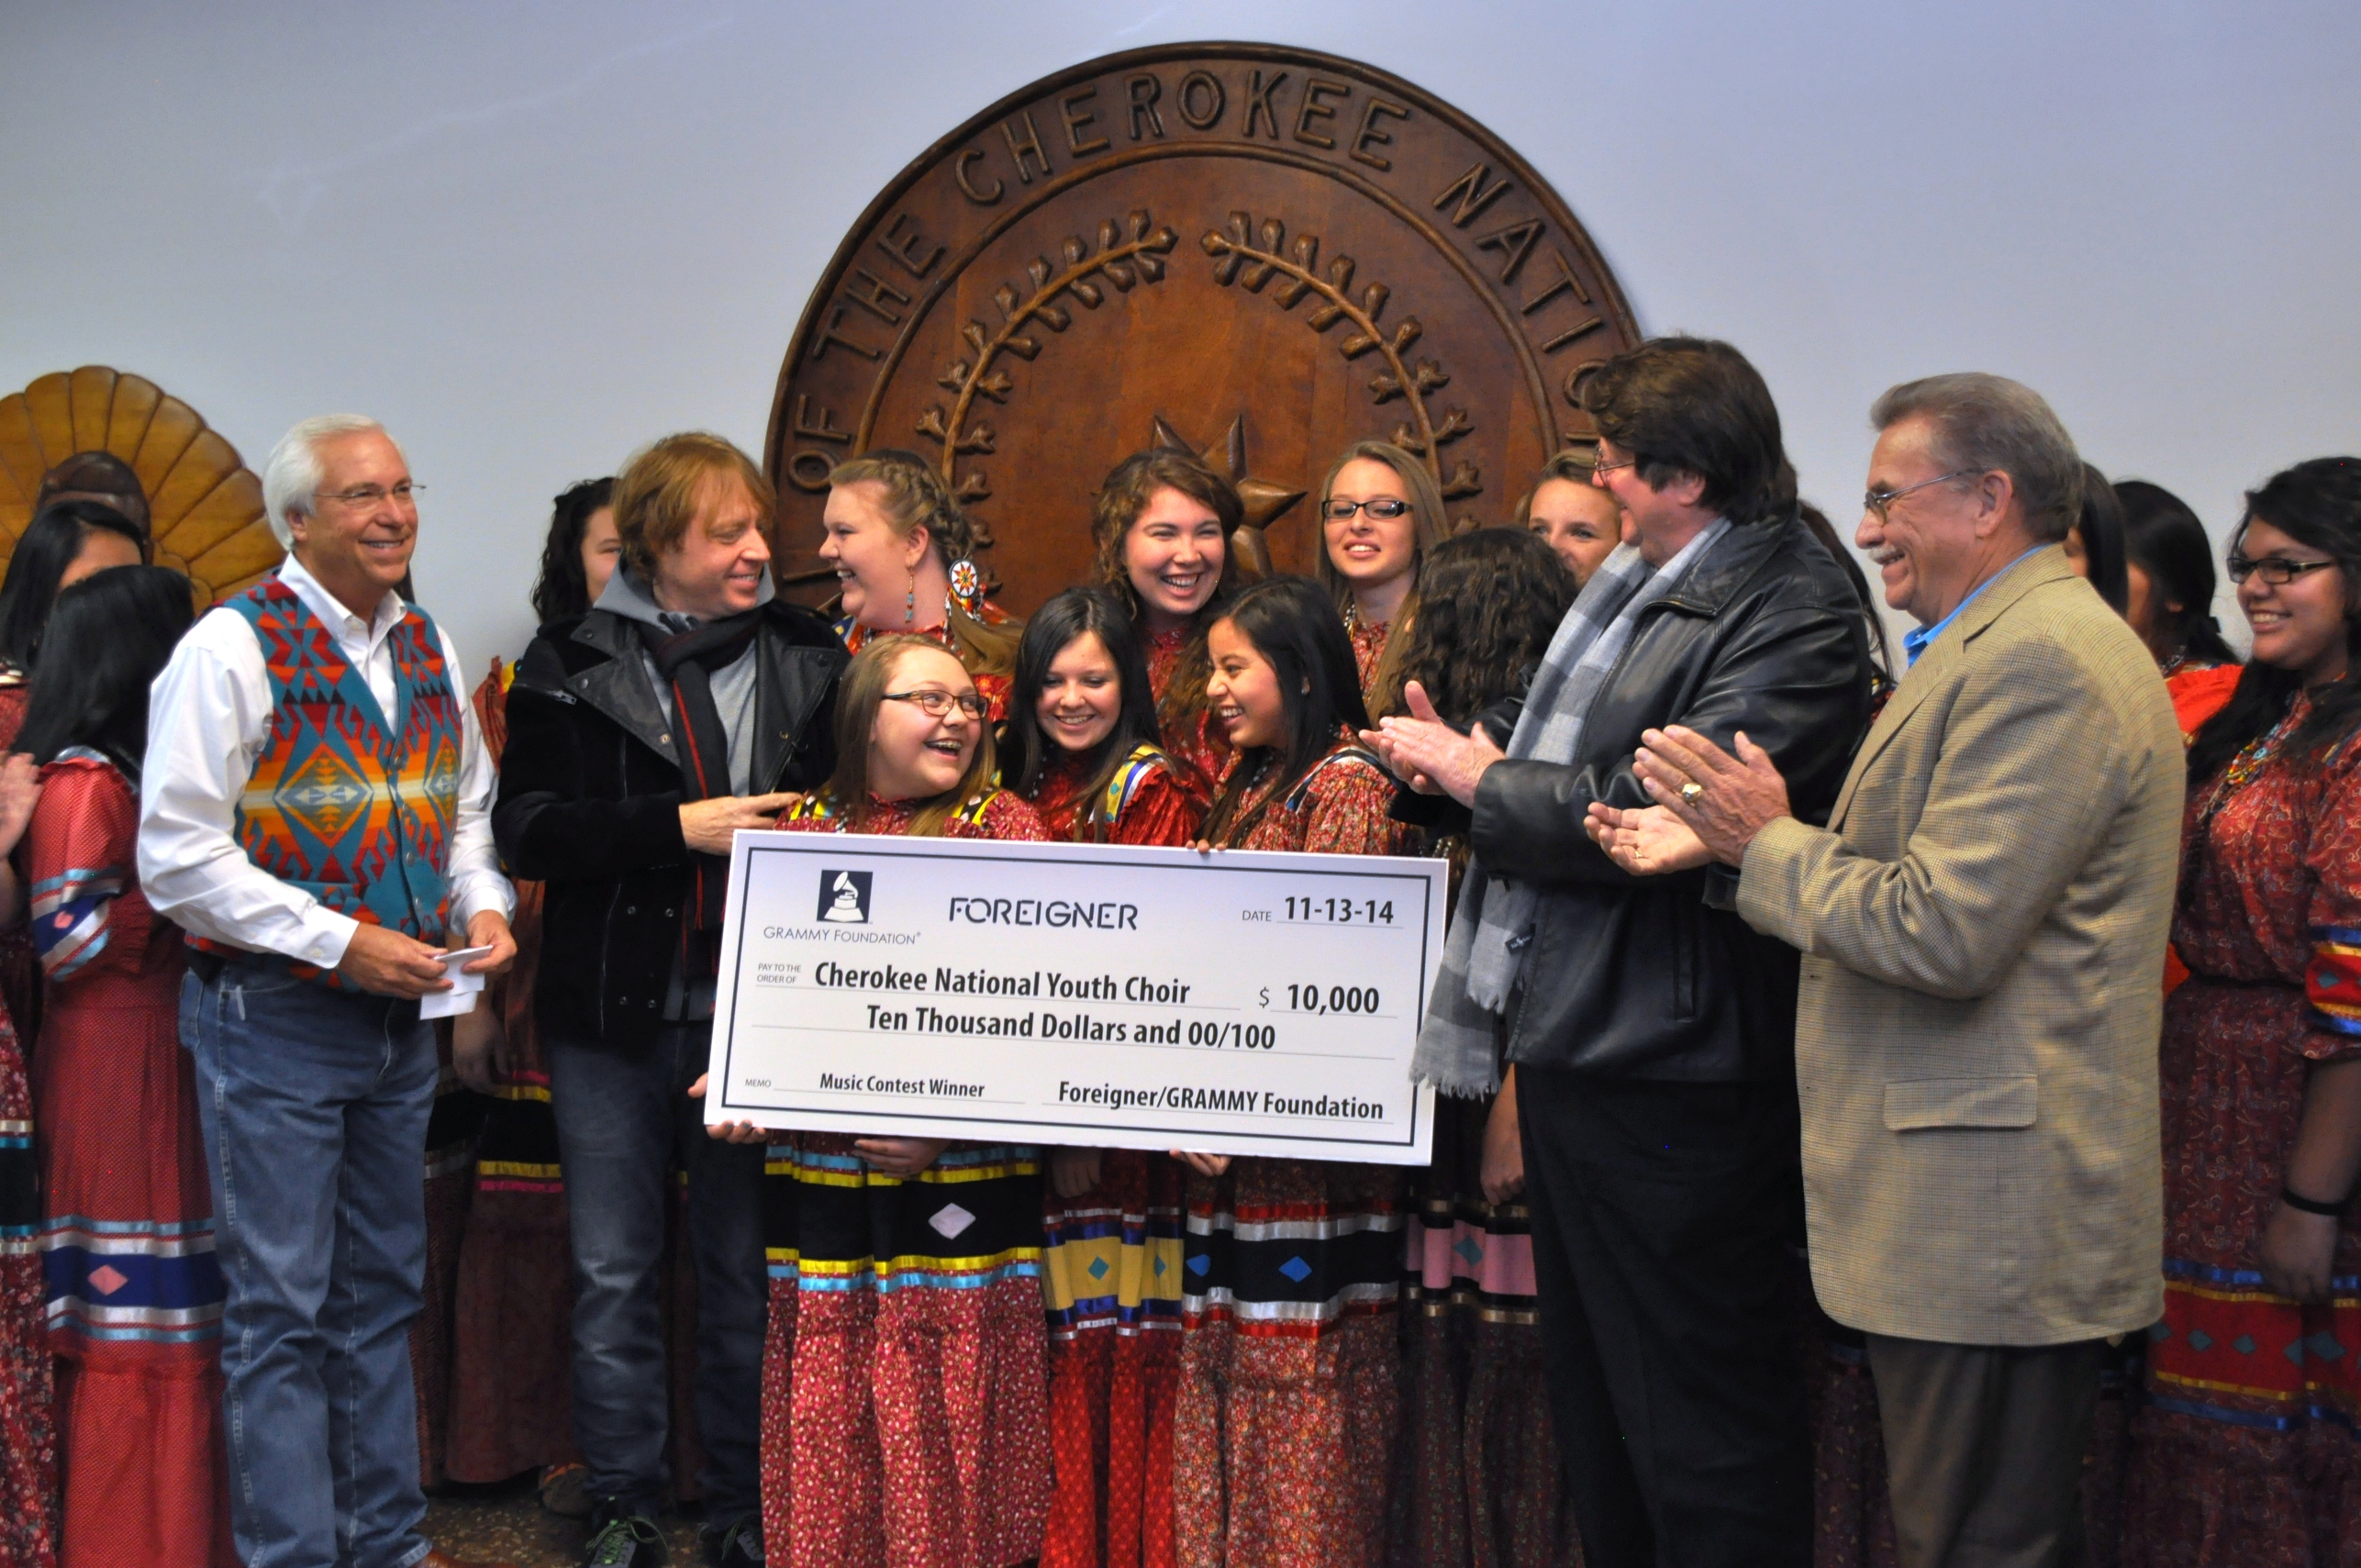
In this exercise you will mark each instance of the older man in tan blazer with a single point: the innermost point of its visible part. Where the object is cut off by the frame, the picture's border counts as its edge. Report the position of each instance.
(1983, 926)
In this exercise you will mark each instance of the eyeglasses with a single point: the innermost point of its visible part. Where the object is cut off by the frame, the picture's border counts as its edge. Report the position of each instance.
(1876, 501)
(403, 494)
(1336, 509)
(935, 704)
(2275, 569)
(1599, 465)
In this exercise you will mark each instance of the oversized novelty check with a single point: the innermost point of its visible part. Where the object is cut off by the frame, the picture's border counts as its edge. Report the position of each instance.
(1235, 1003)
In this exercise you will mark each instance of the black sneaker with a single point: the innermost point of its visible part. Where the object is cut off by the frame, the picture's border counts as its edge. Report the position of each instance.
(627, 1540)
(740, 1546)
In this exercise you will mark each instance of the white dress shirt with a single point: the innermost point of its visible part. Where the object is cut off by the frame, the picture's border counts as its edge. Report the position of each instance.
(209, 717)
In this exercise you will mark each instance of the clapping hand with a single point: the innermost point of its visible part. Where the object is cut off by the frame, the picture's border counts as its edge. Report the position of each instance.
(1430, 755)
(1645, 840)
(1724, 800)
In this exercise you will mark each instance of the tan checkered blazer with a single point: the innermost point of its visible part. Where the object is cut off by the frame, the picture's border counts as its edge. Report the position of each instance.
(1983, 925)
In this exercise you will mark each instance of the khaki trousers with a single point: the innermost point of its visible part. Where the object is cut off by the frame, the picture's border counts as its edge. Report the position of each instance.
(1983, 1447)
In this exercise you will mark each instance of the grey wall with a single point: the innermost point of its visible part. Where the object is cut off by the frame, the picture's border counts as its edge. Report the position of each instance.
(530, 237)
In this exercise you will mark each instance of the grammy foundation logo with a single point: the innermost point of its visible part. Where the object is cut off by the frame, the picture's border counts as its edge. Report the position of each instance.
(844, 898)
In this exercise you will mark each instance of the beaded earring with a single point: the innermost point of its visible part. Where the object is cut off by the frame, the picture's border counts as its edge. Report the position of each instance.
(910, 601)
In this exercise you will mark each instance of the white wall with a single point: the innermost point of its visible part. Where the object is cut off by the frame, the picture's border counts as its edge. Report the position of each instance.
(530, 237)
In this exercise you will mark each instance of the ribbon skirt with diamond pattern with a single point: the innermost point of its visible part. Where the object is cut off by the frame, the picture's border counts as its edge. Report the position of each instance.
(1289, 1402)
(905, 1404)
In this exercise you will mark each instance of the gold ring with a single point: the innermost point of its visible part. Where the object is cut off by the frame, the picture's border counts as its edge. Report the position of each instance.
(1692, 793)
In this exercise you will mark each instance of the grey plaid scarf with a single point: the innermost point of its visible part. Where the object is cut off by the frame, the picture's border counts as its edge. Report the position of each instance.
(1485, 952)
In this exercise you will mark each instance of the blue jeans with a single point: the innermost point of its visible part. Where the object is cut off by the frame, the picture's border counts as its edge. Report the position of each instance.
(314, 1104)
(621, 1117)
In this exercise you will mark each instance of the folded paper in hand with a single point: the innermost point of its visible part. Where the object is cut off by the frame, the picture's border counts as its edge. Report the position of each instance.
(461, 997)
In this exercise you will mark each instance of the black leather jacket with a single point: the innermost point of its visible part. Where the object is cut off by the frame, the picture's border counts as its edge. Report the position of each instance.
(1643, 977)
(590, 795)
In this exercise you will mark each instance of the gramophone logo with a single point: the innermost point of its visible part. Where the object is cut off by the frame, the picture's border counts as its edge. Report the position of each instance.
(844, 898)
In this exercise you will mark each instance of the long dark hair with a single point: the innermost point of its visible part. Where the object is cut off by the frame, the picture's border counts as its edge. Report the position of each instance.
(2100, 528)
(1488, 603)
(2316, 503)
(42, 555)
(109, 638)
(2164, 537)
(561, 589)
(1293, 623)
(1025, 749)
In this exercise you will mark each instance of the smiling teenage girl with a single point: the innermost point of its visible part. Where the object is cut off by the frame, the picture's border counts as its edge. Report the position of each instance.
(1162, 526)
(1288, 1400)
(1080, 745)
(1380, 513)
(902, 553)
(903, 1369)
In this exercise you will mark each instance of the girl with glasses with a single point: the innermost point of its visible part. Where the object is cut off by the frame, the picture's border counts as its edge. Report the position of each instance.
(1380, 512)
(2241, 1450)
(906, 1392)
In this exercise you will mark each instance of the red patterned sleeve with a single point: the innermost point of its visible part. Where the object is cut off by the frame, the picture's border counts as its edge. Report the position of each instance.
(1009, 820)
(1162, 811)
(79, 852)
(492, 709)
(1348, 813)
(2333, 978)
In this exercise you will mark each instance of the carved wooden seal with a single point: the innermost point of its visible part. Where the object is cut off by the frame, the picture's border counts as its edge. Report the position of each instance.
(1264, 253)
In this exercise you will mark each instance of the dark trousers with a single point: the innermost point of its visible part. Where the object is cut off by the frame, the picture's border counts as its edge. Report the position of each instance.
(620, 1119)
(1984, 1448)
(1663, 1219)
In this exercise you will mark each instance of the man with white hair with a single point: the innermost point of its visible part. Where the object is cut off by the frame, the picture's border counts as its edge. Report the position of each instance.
(314, 814)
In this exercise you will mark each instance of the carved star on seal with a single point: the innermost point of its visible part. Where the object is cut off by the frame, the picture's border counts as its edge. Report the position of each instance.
(1265, 502)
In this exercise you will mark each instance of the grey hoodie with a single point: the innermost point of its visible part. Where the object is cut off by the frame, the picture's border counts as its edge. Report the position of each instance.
(733, 684)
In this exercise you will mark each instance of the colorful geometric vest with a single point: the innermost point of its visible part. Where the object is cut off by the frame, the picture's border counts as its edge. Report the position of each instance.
(355, 812)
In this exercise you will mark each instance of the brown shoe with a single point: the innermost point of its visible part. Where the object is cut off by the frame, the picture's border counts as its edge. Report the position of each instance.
(434, 1558)
(565, 1491)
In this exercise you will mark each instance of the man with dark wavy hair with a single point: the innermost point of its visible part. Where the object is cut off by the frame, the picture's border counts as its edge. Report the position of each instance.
(1652, 1031)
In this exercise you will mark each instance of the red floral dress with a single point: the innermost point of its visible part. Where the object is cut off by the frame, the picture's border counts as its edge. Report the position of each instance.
(1190, 735)
(1150, 800)
(993, 687)
(1290, 1400)
(29, 1475)
(1112, 1268)
(903, 1391)
(2245, 1451)
(27, 1438)
(135, 1292)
